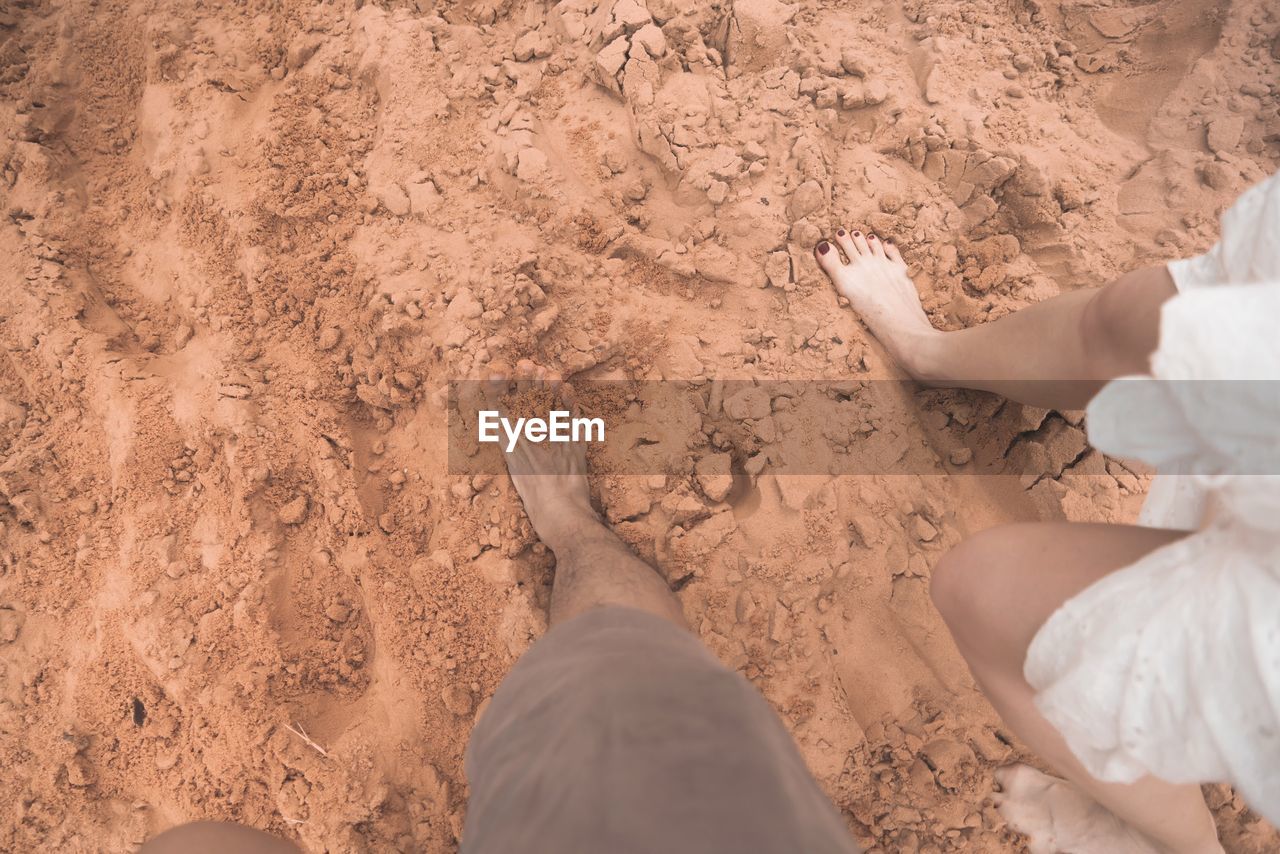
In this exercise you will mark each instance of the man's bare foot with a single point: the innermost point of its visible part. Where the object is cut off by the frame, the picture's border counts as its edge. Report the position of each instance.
(593, 566)
(550, 477)
(1056, 816)
(875, 281)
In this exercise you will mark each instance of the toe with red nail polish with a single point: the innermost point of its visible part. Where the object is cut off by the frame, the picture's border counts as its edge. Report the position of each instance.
(869, 272)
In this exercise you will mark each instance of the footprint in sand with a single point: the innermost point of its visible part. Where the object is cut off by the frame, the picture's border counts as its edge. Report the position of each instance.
(1055, 816)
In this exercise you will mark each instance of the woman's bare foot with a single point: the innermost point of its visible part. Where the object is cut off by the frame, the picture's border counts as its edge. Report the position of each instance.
(1056, 816)
(550, 477)
(875, 281)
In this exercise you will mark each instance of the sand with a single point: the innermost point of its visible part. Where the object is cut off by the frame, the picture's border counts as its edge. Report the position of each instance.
(246, 246)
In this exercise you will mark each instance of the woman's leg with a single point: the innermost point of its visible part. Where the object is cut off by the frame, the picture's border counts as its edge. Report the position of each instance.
(1055, 354)
(995, 590)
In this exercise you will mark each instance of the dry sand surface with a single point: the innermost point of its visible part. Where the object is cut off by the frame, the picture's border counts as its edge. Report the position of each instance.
(246, 245)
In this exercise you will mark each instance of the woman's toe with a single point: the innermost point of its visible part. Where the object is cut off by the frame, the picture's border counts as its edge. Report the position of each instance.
(860, 243)
(845, 241)
(828, 257)
(891, 251)
(875, 245)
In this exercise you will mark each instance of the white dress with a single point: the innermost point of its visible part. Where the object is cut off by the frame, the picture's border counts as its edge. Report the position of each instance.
(1171, 666)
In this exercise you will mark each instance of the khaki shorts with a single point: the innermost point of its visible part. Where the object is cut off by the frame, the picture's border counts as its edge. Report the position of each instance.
(620, 732)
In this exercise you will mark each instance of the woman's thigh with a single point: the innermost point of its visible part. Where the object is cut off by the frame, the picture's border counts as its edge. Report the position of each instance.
(997, 588)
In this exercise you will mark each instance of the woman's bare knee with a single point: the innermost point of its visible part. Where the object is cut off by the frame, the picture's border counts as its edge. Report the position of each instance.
(975, 588)
(1120, 325)
(961, 575)
(997, 588)
(947, 585)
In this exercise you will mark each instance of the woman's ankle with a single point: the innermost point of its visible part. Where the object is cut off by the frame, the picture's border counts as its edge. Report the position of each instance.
(923, 356)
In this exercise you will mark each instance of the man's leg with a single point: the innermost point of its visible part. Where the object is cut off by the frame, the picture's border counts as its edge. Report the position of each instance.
(995, 590)
(1057, 353)
(593, 566)
(618, 730)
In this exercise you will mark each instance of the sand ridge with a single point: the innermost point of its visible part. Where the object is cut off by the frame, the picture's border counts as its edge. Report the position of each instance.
(246, 247)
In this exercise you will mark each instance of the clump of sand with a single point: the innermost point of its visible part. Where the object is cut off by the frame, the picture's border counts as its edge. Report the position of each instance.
(246, 247)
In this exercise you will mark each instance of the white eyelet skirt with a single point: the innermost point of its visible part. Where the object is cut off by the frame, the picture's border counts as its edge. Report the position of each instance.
(1171, 666)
